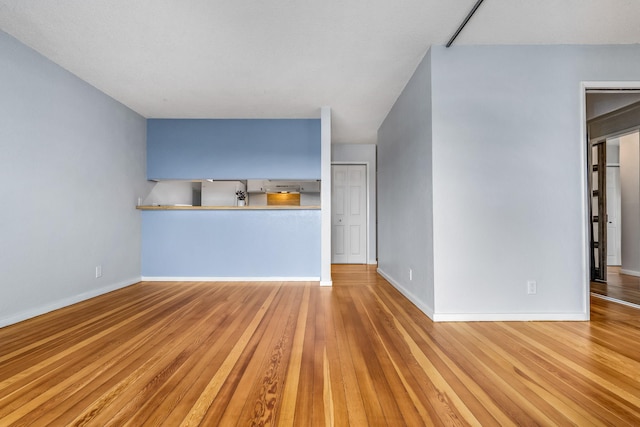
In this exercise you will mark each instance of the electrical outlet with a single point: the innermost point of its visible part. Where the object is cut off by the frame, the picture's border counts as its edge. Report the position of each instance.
(410, 274)
(98, 271)
(532, 287)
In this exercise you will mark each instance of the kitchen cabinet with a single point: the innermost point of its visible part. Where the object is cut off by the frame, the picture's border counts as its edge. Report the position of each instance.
(310, 187)
(221, 193)
(255, 186)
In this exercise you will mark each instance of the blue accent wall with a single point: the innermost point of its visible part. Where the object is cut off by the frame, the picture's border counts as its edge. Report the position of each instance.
(233, 148)
(231, 243)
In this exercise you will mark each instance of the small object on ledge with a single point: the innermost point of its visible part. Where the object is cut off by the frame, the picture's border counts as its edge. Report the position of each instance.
(241, 195)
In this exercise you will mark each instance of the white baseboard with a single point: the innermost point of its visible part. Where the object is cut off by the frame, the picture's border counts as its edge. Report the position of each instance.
(412, 298)
(65, 302)
(483, 317)
(326, 283)
(373, 262)
(630, 272)
(510, 317)
(229, 279)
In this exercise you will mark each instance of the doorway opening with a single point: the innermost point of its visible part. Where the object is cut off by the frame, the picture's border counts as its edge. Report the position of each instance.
(613, 188)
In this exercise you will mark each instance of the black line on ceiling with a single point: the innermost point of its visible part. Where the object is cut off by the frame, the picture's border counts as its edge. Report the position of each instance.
(469, 15)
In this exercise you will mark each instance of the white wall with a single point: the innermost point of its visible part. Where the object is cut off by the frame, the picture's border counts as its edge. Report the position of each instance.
(72, 166)
(325, 196)
(505, 210)
(405, 207)
(472, 135)
(359, 154)
(630, 195)
(613, 151)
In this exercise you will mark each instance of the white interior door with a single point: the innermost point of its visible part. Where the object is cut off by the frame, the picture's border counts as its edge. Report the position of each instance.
(349, 214)
(614, 236)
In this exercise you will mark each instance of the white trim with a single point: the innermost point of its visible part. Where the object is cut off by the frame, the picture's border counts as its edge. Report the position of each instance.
(344, 154)
(611, 85)
(482, 317)
(227, 279)
(618, 301)
(407, 294)
(65, 302)
(329, 283)
(630, 272)
(370, 227)
(325, 194)
(509, 317)
(586, 199)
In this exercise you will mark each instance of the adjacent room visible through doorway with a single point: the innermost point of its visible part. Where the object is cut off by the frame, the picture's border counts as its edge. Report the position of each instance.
(613, 120)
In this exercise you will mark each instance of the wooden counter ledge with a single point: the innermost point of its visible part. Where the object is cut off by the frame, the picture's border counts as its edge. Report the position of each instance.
(218, 208)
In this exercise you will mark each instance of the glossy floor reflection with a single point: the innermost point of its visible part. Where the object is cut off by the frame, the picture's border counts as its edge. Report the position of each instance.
(619, 286)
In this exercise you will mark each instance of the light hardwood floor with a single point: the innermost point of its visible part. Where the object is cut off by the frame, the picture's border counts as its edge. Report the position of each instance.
(619, 286)
(297, 354)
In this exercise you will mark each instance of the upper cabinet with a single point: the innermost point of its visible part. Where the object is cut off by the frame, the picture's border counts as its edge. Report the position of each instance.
(255, 186)
(233, 149)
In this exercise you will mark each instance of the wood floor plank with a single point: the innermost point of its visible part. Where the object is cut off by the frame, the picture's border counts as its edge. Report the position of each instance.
(177, 388)
(304, 398)
(361, 354)
(104, 379)
(619, 286)
(49, 390)
(432, 348)
(171, 358)
(357, 415)
(277, 353)
(180, 399)
(469, 390)
(621, 405)
(286, 416)
(258, 395)
(335, 401)
(321, 383)
(200, 408)
(399, 407)
(526, 389)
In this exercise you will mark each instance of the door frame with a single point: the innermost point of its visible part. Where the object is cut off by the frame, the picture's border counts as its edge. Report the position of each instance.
(586, 197)
(367, 191)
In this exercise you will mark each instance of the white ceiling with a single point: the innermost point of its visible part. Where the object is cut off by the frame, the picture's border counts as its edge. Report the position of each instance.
(286, 58)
